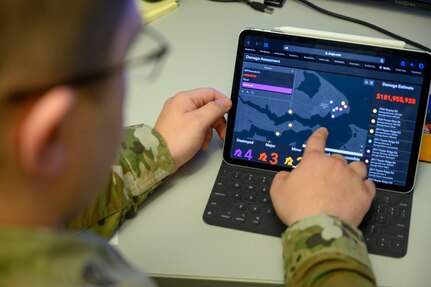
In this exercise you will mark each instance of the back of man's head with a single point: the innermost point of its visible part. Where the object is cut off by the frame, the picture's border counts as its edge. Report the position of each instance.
(58, 132)
(48, 40)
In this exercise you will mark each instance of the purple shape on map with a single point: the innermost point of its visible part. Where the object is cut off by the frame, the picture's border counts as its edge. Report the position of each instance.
(267, 88)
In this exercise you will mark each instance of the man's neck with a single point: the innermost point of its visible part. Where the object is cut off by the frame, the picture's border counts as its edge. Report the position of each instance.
(18, 209)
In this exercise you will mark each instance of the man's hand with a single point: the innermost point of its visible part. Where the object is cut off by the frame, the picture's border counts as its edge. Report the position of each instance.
(322, 185)
(187, 121)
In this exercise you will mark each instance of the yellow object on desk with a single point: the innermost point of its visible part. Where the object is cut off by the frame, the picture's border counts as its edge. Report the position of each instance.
(150, 11)
(425, 154)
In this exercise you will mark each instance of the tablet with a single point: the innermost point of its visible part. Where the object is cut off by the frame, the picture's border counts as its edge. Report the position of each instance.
(371, 99)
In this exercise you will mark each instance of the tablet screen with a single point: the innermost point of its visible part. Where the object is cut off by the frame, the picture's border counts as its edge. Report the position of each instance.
(372, 100)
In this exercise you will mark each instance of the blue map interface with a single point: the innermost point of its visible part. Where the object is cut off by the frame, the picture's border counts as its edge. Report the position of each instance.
(283, 97)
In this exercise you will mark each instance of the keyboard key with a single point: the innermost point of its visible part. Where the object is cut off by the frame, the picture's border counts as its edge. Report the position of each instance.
(386, 200)
(240, 217)
(220, 202)
(219, 184)
(226, 215)
(236, 174)
(220, 194)
(269, 211)
(237, 195)
(371, 229)
(255, 220)
(265, 199)
(240, 206)
(381, 219)
(382, 243)
(396, 244)
(368, 240)
(255, 209)
(264, 189)
(401, 226)
(381, 209)
(264, 179)
(401, 236)
(402, 212)
(236, 185)
(211, 212)
(224, 172)
(251, 197)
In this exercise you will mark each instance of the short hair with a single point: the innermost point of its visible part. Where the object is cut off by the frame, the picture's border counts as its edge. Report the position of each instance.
(45, 41)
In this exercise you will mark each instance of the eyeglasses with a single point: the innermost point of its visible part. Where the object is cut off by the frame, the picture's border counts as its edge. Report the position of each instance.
(150, 63)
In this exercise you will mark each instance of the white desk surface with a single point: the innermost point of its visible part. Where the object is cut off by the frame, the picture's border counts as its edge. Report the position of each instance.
(168, 238)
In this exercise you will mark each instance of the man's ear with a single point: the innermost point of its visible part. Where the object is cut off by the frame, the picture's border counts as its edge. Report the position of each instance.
(40, 149)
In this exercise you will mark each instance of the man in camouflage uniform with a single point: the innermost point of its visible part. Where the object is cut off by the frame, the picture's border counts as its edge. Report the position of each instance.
(322, 201)
(59, 134)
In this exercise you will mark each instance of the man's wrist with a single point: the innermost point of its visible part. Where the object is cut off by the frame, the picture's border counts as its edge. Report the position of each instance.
(318, 235)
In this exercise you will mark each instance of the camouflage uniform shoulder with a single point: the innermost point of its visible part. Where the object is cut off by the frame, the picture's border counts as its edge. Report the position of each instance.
(43, 258)
(142, 163)
(144, 159)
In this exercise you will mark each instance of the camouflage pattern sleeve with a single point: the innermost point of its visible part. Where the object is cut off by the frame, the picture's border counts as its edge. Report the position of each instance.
(325, 251)
(142, 163)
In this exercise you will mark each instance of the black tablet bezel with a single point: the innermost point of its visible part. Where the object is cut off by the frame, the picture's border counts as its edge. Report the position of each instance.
(423, 100)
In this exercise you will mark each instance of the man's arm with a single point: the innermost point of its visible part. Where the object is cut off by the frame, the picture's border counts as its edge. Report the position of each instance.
(142, 163)
(325, 251)
(147, 156)
(322, 201)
